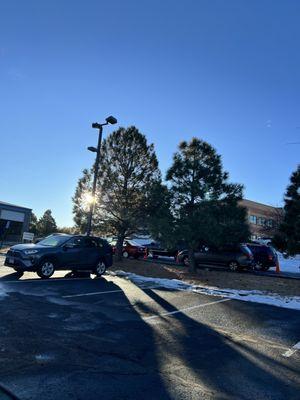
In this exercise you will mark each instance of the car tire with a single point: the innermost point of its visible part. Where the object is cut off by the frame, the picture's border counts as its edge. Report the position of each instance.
(233, 266)
(100, 268)
(186, 261)
(125, 254)
(46, 269)
(265, 268)
(258, 266)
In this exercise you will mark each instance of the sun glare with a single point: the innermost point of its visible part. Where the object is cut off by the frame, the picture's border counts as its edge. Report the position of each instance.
(87, 199)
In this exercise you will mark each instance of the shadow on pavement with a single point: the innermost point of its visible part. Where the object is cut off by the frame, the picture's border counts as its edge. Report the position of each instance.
(78, 349)
(11, 277)
(226, 368)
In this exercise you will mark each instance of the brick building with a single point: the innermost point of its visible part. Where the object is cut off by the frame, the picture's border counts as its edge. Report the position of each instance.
(263, 219)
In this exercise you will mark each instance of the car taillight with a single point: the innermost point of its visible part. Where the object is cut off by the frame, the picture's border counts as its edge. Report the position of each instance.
(270, 257)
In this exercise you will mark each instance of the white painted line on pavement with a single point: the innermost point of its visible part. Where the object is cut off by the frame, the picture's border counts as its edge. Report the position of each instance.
(91, 293)
(46, 280)
(292, 351)
(104, 292)
(182, 310)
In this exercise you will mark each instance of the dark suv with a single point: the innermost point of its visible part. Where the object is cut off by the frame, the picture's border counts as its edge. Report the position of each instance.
(61, 252)
(233, 257)
(264, 256)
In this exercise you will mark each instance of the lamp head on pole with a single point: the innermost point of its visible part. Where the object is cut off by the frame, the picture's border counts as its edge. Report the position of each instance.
(111, 120)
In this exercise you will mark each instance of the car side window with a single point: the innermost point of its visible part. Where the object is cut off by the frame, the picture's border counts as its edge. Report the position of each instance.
(76, 241)
(90, 242)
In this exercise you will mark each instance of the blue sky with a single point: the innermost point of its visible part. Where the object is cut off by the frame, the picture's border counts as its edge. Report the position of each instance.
(225, 71)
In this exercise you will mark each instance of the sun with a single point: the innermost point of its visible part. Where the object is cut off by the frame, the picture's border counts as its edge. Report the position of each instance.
(87, 199)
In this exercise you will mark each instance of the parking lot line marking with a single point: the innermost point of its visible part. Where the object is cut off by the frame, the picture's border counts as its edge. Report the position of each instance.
(182, 310)
(46, 280)
(91, 293)
(292, 351)
(103, 292)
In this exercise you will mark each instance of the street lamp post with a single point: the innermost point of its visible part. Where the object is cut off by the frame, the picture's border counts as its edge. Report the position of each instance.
(109, 120)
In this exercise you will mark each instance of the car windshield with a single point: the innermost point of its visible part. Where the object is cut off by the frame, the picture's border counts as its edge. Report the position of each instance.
(54, 241)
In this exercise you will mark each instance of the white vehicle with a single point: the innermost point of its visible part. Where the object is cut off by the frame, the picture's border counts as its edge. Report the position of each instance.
(264, 240)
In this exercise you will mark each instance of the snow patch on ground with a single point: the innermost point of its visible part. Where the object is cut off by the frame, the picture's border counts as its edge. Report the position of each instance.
(290, 264)
(254, 296)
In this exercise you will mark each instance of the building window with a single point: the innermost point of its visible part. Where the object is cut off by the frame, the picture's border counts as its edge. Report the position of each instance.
(270, 223)
(14, 228)
(261, 221)
(252, 219)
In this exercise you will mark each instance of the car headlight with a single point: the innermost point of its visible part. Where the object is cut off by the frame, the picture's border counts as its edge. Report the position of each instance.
(28, 252)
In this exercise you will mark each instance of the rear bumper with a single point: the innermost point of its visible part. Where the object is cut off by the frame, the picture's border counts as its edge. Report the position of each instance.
(268, 263)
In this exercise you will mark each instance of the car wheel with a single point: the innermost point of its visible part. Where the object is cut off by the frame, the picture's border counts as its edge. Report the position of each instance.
(125, 254)
(186, 261)
(100, 268)
(46, 269)
(259, 266)
(233, 266)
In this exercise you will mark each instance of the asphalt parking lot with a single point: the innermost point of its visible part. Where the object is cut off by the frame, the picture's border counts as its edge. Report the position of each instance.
(108, 338)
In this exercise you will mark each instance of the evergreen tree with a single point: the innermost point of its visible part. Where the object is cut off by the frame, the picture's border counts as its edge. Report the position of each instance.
(46, 224)
(290, 228)
(33, 224)
(81, 201)
(204, 205)
(160, 222)
(66, 229)
(129, 170)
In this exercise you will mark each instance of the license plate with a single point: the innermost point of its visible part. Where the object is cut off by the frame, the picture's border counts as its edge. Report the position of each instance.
(11, 260)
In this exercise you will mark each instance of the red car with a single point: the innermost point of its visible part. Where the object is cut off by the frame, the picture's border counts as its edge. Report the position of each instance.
(130, 249)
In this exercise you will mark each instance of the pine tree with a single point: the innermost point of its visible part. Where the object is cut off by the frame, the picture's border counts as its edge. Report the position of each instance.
(81, 201)
(128, 171)
(204, 204)
(160, 222)
(290, 228)
(46, 224)
(33, 224)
